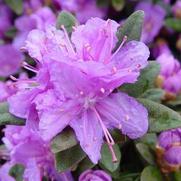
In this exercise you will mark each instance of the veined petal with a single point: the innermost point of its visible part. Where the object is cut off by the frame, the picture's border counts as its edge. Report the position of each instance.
(35, 44)
(53, 122)
(123, 112)
(32, 172)
(89, 133)
(96, 39)
(20, 103)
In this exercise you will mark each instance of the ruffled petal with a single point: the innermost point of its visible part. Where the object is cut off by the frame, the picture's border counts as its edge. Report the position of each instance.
(89, 133)
(96, 39)
(123, 112)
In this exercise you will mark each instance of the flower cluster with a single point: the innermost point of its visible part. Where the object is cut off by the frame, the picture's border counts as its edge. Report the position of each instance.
(72, 101)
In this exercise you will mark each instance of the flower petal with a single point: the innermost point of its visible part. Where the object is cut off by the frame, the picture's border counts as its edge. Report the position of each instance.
(89, 133)
(125, 113)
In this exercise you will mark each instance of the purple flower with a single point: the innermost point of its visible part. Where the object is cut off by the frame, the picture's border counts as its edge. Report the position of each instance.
(5, 19)
(177, 9)
(30, 6)
(82, 75)
(10, 60)
(83, 9)
(26, 147)
(160, 47)
(154, 16)
(170, 73)
(170, 142)
(91, 175)
(38, 20)
(4, 172)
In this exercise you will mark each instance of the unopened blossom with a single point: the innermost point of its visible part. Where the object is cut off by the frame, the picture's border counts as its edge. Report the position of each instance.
(26, 147)
(10, 60)
(169, 149)
(95, 175)
(83, 9)
(40, 19)
(170, 73)
(5, 19)
(82, 75)
(177, 9)
(153, 20)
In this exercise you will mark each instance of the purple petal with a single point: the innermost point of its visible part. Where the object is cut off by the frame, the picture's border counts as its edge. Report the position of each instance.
(173, 155)
(125, 113)
(32, 171)
(89, 132)
(10, 60)
(4, 172)
(20, 103)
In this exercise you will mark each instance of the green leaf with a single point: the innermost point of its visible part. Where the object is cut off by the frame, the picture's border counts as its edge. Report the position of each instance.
(173, 23)
(7, 118)
(154, 94)
(118, 5)
(17, 172)
(146, 80)
(65, 140)
(177, 176)
(106, 158)
(67, 19)
(11, 32)
(151, 173)
(68, 159)
(149, 139)
(145, 152)
(85, 164)
(102, 3)
(15, 5)
(161, 117)
(132, 27)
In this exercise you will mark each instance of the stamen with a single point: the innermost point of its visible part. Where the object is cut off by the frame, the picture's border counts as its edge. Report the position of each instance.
(68, 40)
(120, 46)
(108, 137)
(13, 78)
(29, 67)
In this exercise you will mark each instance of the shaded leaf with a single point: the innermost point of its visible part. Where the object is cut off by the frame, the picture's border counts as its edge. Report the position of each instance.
(154, 94)
(67, 19)
(145, 152)
(11, 32)
(106, 158)
(173, 23)
(151, 173)
(65, 140)
(7, 118)
(177, 176)
(149, 139)
(17, 172)
(161, 117)
(146, 80)
(15, 5)
(132, 27)
(68, 159)
(85, 164)
(118, 5)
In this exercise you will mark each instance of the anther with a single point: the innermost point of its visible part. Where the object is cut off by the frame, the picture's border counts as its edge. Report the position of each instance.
(102, 90)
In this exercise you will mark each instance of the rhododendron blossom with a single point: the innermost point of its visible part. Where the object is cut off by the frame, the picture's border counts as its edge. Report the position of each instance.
(170, 73)
(26, 147)
(82, 81)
